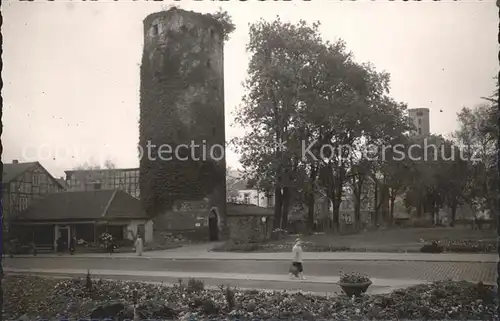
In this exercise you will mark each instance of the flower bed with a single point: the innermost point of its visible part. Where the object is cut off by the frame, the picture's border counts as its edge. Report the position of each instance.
(53, 298)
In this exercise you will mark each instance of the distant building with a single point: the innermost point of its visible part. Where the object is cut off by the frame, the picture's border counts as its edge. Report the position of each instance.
(22, 183)
(254, 197)
(421, 119)
(126, 180)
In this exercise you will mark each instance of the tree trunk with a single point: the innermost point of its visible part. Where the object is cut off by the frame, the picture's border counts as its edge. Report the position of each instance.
(391, 212)
(357, 214)
(310, 211)
(285, 207)
(278, 197)
(453, 214)
(336, 216)
(375, 205)
(311, 198)
(357, 188)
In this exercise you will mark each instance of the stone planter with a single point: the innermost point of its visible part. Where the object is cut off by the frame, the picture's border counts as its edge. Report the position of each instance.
(355, 289)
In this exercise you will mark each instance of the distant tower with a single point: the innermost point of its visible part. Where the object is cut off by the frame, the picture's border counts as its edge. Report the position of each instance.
(421, 119)
(182, 102)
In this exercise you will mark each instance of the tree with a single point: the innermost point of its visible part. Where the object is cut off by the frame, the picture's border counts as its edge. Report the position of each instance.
(91, 165)
(308, 93)
(479, 145)
(281, 54)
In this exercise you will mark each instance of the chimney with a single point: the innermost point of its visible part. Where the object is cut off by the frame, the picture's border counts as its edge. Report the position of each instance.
(15, 161)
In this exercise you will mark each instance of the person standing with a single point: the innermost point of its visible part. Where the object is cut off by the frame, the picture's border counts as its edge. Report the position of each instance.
(139, 245)
(297, 259)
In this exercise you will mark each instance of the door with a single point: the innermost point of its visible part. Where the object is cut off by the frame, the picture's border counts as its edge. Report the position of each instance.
(64, 233)
(141, 231)
(213, 226)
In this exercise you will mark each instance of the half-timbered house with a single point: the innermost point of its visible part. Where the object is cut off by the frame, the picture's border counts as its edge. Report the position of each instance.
(125, 179)
(22, 183)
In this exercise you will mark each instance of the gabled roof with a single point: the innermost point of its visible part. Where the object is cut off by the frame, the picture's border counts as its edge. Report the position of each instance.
(85, 205)
(13, 170)
(62, 181)
(248, 209)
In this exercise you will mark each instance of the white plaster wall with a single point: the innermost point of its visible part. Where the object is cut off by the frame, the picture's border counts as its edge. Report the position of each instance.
(148, 231)
(132, 228)
(256, 198)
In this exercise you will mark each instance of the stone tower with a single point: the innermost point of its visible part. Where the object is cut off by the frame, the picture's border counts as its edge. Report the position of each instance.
(421, 119)
(182, 108)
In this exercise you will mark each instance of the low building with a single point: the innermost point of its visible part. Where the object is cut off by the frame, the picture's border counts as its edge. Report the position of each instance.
(125, 179)
(83, 215)
(23, 183)
(198, 221)
(249, 222)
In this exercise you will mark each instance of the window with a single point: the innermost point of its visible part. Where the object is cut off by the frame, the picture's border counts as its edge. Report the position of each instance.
(246, 197)
(23, 203)
(420, 121)
(36, 180)
(419, 113)
(97, 185)
(155, 30)
(420, 131)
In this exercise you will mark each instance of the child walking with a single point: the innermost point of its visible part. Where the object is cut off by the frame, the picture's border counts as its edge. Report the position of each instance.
(297, 260)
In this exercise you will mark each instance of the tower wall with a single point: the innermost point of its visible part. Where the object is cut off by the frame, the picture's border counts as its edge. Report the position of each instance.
(182, 102)
(421, 119)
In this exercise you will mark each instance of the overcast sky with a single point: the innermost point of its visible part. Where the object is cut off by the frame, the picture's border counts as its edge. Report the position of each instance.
(71, 70)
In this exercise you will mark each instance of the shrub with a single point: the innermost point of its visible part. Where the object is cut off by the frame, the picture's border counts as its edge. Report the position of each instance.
(195, 285)
(434, 247)
(353, 277)
(209, 307)
(469, 246)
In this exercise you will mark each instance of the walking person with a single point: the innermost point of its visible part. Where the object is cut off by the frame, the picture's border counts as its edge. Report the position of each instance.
(139, 245)
(297, 260)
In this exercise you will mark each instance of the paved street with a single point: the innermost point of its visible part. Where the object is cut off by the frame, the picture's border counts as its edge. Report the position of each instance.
(409, 270)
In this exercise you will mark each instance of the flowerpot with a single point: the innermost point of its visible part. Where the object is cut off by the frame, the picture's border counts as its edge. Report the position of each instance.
(355, 289)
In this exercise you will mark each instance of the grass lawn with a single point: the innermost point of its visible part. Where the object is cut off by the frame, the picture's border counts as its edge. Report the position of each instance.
(391, 240)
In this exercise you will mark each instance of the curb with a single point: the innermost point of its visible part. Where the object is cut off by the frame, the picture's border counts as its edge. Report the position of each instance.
(251, 259)
(396, 283)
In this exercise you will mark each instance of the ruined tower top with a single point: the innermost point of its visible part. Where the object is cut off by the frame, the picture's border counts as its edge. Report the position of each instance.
(157, 24)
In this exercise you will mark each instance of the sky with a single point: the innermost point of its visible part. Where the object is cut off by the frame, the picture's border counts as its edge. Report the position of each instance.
(71, 69)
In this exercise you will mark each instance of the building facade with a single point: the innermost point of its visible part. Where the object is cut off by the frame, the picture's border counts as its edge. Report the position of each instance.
(254, 197)
(126, 180)
(23, 183)
(420, 118)
(84, 216)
